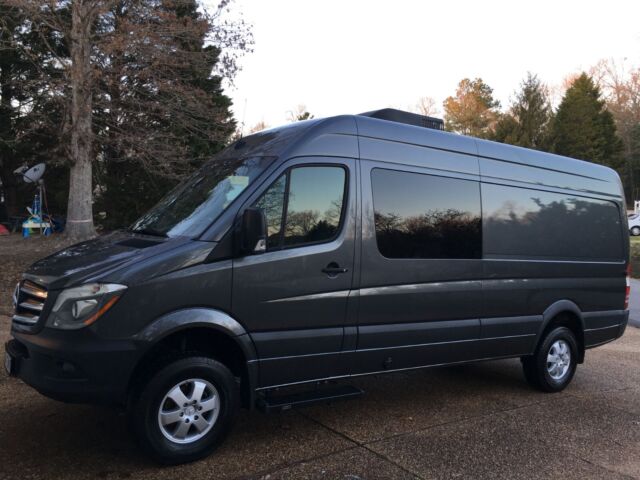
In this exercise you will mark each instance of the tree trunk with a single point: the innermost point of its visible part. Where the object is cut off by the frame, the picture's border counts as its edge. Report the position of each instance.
(79, 210)
(7, 179)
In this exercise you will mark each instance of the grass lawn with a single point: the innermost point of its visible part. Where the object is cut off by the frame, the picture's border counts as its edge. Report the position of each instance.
(635, 257)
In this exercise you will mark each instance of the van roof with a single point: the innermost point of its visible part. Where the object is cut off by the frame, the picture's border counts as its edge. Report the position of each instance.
(356, 136)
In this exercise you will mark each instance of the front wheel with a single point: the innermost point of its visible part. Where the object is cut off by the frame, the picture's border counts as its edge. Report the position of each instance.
(635, 231)
(185, 410)
(552, 366)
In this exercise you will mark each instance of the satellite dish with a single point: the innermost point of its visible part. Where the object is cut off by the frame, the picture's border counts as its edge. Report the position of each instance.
(34, 173)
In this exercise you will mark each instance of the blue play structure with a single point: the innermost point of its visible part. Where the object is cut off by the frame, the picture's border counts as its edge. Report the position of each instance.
(37, 220)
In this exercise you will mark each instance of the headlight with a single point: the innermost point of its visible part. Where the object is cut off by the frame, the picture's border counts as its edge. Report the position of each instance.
(81, 306)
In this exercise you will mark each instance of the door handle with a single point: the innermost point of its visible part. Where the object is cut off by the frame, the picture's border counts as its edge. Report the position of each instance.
(333, 269)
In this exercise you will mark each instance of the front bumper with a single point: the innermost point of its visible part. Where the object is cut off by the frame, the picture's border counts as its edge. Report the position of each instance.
(73, 366)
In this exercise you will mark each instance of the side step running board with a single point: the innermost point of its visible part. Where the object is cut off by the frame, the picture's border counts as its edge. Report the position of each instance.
(303, 399)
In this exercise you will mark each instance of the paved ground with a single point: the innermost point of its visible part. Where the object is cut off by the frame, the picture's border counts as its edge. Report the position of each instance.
(477, 421)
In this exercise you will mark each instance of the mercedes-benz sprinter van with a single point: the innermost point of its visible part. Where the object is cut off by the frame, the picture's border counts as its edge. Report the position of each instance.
(323, 250)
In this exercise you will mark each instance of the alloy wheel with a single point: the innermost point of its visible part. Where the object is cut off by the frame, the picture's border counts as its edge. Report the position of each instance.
(558, 359)
(189, 410)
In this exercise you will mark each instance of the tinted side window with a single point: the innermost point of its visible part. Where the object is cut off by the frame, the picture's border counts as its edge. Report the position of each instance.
(531, 223)
(313, 196)
(314, 204)
(425, 216)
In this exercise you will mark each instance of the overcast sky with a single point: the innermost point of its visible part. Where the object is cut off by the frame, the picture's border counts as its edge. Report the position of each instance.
(351, 56)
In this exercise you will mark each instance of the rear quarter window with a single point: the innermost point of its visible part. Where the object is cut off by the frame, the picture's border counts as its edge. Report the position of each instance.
(530, 223)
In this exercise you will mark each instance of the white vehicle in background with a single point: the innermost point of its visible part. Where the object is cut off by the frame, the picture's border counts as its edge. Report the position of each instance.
(634, 224)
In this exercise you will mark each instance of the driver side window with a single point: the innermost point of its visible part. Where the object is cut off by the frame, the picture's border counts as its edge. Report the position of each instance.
(308, 202)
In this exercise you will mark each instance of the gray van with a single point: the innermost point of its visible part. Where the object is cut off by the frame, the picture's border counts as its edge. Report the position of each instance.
(324, 250)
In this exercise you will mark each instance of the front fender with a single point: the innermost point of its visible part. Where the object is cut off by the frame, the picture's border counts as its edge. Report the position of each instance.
(198, 317)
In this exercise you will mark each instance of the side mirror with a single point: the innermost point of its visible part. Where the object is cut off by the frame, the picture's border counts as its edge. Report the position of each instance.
(253, 232)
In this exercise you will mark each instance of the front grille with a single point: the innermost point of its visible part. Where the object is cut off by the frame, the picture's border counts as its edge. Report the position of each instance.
(29, 300)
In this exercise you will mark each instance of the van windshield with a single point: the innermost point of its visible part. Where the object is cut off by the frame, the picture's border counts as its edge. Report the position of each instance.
(194, 204)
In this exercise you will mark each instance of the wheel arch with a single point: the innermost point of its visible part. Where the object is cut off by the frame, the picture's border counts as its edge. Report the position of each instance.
(564, 313)
(204, 330)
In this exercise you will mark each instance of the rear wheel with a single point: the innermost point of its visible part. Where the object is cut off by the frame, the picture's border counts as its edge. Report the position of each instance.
(552, 366)
(185, 410)
(635, 231)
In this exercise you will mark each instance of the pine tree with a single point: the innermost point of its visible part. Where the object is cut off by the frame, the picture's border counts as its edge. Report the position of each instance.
(473, 110)
(526, 124)
(583, 128)
(31, 114)
(180, 112)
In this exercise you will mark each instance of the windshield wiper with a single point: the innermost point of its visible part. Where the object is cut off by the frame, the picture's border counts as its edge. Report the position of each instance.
(149, 231)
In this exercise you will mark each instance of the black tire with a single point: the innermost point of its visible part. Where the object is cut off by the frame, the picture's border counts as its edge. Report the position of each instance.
(635, 231)
(144, 411)
(536, 369)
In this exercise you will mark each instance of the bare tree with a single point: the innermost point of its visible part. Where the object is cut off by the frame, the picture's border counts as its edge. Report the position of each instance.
(299, 114)
(427, 106)
(138, 83)
(301, 223)
(620, 87)
(258, 127)
(569, 80)
(74, 21)
(556, 90)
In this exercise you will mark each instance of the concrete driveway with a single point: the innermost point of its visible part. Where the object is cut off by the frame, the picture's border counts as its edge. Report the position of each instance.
(476, 421)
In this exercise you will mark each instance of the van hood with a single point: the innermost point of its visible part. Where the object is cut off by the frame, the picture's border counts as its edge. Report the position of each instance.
(94, 258)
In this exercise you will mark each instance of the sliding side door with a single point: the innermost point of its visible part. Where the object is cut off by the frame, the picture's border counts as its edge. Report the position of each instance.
(420, 296)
